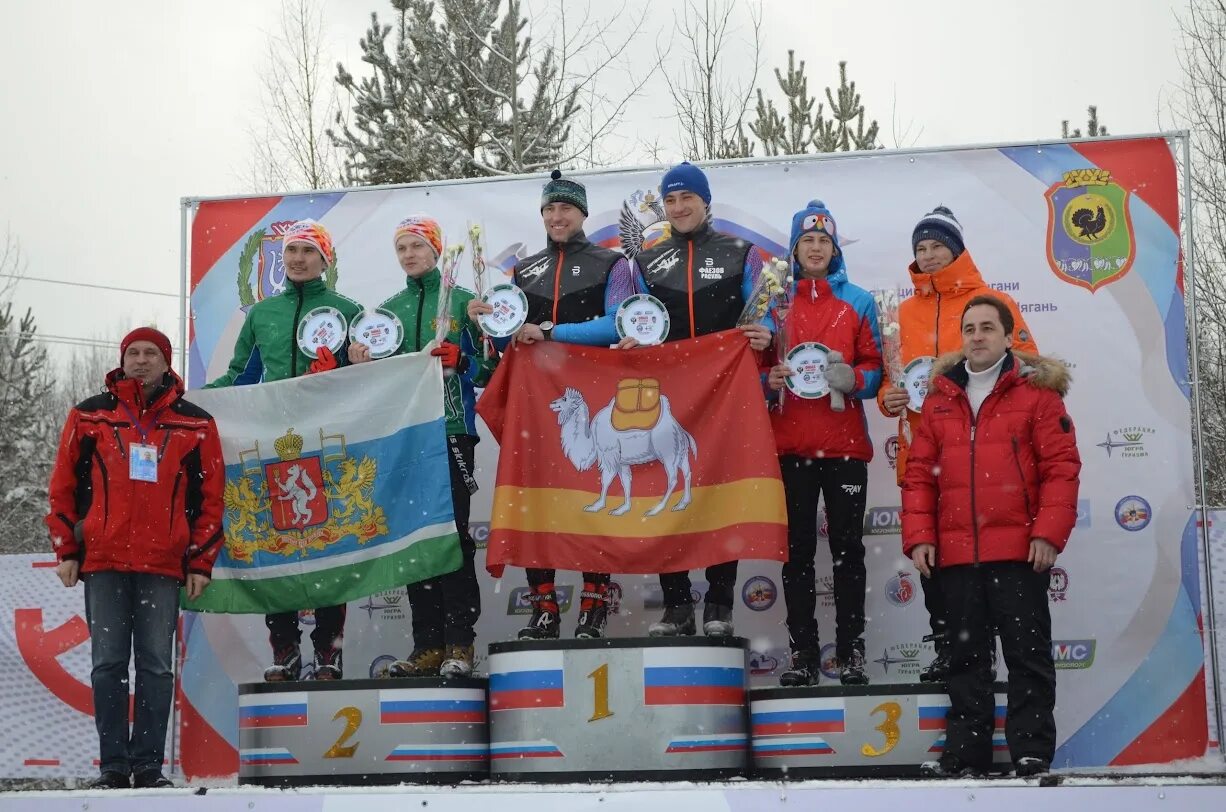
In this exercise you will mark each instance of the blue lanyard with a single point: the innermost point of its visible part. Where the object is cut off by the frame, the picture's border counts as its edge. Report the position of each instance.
(144, 435)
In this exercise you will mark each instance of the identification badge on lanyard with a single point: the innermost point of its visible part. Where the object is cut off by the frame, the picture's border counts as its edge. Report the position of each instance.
(143, 462)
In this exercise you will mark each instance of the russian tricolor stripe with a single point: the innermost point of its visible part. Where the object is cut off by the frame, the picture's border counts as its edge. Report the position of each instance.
(440, 752)
(410, 706)
(522, 680)
(266, 756)
(798, 716)
(932, 716)
(533, 749)
(690, 676)
(999, 744)
(708, 743)
(272, 710)
(792, 746)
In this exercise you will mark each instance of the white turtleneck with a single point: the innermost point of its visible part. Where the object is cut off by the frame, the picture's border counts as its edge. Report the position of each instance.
(979, 384)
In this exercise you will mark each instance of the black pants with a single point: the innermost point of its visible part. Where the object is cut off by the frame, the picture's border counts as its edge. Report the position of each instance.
(536, 577)
(1012, 597)
(721, 583)
(934, 602)
(445, 609)
(329, 627)
(843, 484)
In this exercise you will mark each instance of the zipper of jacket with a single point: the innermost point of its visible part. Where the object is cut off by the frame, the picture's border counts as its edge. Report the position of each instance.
(106, 490)
(293, 334)
(974, 513)
(689, 283)
(974, 423)
(1017, 460)
(174, 494)
(557, 281)
(936, 348)
(421, 304)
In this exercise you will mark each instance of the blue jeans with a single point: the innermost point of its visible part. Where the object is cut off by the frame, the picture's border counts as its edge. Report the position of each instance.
(126, 611)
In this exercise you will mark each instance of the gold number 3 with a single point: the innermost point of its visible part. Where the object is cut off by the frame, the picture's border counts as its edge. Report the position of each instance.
(353, 720)
(888, 728)
(600, 693)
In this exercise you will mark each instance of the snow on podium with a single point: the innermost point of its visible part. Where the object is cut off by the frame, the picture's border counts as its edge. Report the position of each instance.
(636, 709)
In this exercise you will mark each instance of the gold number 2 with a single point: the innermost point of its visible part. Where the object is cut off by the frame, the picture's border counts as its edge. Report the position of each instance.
(353, 720)
(888, 728)
(600, 693)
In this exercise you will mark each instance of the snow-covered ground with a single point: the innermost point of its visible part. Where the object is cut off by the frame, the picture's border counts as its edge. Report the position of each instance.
(1205, 790)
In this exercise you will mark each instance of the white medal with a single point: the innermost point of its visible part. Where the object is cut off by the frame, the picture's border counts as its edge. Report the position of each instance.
(379, 330)
(643, 317)
(510, 311)
(915, 378)
(808, 362)
(322, 327)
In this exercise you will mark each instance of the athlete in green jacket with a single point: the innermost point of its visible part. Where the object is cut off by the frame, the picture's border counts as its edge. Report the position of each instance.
(268, 349)
(445, 609)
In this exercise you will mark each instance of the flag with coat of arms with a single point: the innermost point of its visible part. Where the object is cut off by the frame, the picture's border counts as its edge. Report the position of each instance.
(337, 487)
(656, 459)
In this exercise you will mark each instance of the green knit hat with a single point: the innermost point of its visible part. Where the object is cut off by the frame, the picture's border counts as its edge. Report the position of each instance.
(558, 190)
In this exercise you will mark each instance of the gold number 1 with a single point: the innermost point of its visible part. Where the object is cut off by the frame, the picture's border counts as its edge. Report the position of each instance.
(353, 720)
(600, 693)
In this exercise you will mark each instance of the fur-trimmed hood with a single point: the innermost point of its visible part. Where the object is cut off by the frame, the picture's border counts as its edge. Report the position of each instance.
(1039, 370)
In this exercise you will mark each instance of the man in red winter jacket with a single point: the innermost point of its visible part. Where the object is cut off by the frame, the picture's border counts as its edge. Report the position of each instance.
(990, 496)
(136, 513)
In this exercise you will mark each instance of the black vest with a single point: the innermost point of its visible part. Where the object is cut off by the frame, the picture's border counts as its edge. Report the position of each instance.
(576, 270)
(706, 265)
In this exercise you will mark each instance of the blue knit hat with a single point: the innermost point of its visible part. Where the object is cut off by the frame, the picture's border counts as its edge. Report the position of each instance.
(815, 218)
(940, 225)
(685, 177)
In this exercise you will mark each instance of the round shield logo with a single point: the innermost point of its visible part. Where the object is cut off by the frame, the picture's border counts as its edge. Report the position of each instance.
(759, 593)
(900, 590)
(1133, 513)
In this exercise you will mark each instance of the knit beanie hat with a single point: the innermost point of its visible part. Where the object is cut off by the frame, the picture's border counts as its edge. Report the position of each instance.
(153, 336)
(685, 177)
(940, 225)
(564, 190)
(419, 225)
(313, 234)
(815, 218)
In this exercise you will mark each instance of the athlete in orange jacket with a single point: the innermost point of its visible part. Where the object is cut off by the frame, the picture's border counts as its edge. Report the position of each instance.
(945, 279)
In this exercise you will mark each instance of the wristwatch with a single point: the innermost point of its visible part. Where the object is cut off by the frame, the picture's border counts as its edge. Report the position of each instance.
(547, 330)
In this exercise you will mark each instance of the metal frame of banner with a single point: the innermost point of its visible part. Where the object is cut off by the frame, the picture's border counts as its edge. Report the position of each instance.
(764, 161)
(188, 205)
(1189, 267)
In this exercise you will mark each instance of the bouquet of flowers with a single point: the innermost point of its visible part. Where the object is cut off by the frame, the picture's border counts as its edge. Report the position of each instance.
(451, 258)
(891, 336)
(474, 239)
(773, 286)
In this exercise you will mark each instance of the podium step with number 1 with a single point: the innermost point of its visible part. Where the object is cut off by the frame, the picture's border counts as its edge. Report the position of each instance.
(630, 709)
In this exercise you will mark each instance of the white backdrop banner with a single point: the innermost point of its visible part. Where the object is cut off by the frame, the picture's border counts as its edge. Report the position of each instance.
(1101, 289)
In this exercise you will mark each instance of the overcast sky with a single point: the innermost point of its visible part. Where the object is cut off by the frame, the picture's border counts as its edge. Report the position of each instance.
(114, 111)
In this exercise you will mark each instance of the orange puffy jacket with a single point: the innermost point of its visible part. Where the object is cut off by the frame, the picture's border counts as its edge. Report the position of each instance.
(930, 323)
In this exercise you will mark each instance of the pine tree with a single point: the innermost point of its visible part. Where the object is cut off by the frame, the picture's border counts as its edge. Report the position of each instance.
(28, 434)
(1093, 127)
(387, 139)
(462, 93)
(804, 129)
